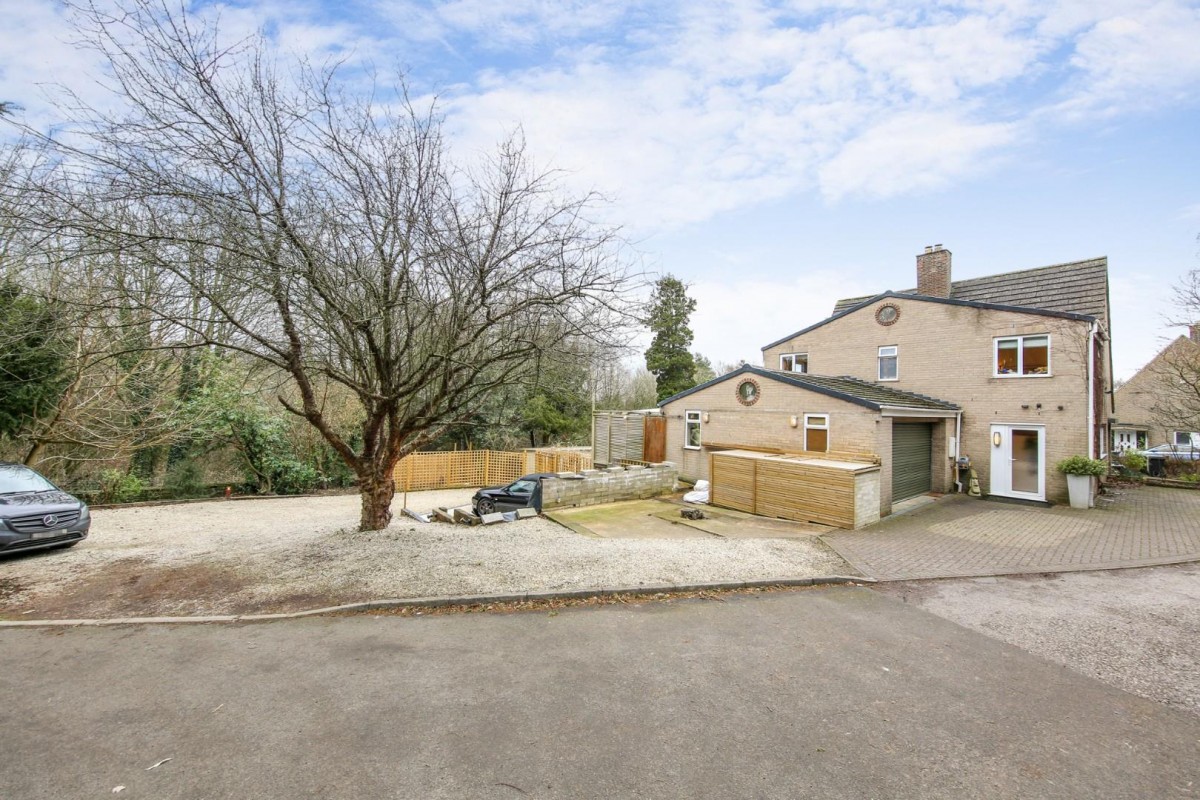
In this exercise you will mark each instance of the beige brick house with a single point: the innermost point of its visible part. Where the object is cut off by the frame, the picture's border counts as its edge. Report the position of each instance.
(1010, 373)
(793, 412)
(1156, 406)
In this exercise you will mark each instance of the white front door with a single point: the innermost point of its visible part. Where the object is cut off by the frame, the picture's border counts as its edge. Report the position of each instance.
(1019, 461)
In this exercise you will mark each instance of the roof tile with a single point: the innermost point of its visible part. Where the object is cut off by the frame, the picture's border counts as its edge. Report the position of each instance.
(1077, 287)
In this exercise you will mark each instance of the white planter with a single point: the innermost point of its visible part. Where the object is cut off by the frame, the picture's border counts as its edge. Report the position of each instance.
(1079, 488)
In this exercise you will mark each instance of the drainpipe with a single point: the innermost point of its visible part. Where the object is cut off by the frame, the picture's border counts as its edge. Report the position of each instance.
(958, 487)
(1091, 391)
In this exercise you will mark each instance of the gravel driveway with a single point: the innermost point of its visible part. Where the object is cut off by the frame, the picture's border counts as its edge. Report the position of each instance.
(286, 554)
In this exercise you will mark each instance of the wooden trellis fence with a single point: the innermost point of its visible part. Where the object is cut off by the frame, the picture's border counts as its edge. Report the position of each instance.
(572, 460)
(458, 469)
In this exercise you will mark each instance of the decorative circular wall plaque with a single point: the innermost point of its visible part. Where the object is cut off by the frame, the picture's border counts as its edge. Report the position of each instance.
(887, 314)
(747, 392)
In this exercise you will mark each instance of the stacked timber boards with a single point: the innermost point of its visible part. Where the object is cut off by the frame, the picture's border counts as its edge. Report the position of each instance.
(844, 494)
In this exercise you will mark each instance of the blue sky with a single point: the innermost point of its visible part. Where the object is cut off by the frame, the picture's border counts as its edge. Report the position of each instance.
(779, 155)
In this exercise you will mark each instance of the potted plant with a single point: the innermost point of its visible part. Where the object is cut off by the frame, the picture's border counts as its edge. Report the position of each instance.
(1080, 472)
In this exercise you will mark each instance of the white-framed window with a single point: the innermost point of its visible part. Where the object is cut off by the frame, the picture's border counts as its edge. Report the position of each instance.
(691, 430)
(889, 363)
(793, 362)
(816, 432)
(1021, 356)
(1184, 438)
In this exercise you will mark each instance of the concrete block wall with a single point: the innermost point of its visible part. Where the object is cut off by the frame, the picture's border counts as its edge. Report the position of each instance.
(609, 485)
(866, 499)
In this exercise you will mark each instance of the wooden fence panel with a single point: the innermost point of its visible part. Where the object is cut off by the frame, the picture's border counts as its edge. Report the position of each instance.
(458, 469)
(562, 461)
(601, 437)
(805, 493)
(732, 482)
(786, 488)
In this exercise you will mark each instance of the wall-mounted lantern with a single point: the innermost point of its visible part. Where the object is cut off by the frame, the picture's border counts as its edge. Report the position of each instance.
(794, 421)
(996, 439)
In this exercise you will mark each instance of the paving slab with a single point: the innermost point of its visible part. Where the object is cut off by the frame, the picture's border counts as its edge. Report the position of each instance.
(960, 536)
(659, 519)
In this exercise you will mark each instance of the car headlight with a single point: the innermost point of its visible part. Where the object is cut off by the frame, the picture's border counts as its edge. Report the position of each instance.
(84, 513)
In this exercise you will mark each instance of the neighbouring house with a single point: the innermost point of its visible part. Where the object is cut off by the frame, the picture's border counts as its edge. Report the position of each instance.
(1008, 373)
(1158, 404)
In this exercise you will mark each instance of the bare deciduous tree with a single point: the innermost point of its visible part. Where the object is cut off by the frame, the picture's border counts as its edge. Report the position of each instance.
(1176, 404)
(326, 235)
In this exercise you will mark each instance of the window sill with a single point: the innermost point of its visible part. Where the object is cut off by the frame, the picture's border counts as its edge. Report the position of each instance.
(1007, 375)
(692, 447)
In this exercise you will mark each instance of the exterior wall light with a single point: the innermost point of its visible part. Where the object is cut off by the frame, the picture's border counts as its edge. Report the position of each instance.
(996, 439)
(794, 421)
(706, 416)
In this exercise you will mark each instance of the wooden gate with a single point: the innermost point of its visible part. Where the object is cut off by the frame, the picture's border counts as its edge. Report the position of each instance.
(654, 439)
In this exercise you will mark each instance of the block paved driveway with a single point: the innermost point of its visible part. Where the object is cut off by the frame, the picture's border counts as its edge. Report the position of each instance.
(960, 536)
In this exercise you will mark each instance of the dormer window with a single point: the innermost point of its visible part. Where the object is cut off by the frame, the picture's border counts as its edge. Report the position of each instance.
(793, 362)
(1022, 356)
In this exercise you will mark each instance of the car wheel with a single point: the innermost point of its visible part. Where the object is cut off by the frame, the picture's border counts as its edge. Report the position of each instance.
(485, 507)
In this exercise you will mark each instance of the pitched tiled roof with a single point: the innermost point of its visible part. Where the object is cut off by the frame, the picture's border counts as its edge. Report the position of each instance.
(926, 299)
(871, 393)
(1079, 287)
(853, 390)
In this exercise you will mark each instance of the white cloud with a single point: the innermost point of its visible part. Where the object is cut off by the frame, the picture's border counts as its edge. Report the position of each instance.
(685, 110)
(1138, 60)
(36, 52)
(744, 102)
(912, 152)
(735, 318)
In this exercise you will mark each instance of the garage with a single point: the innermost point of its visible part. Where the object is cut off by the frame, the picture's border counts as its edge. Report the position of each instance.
(912, 456)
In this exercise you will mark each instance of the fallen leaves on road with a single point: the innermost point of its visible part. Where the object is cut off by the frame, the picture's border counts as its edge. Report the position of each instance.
(551, 605)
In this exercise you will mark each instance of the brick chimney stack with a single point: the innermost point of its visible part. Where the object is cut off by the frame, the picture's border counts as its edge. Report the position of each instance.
(1194, 332)
(933, 272)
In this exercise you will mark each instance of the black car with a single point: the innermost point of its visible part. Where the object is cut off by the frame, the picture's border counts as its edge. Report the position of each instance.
(35, 514)
(524, 492)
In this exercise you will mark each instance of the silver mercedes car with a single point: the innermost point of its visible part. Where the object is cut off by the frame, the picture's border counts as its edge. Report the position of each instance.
(35, 514)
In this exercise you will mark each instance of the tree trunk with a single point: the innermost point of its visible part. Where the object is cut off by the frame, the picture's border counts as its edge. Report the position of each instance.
(377, 492)
(34, 451)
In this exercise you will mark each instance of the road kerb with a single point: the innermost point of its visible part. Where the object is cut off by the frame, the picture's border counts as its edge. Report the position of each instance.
(442, 602)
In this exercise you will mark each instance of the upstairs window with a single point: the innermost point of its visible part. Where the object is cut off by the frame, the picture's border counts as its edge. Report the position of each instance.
(816, 432)
(1018, 356)
(793, 362)
(889, 363)
(691, 430)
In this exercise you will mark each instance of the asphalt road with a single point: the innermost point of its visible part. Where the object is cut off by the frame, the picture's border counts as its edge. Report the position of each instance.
(836, 693)
(1136, 629)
